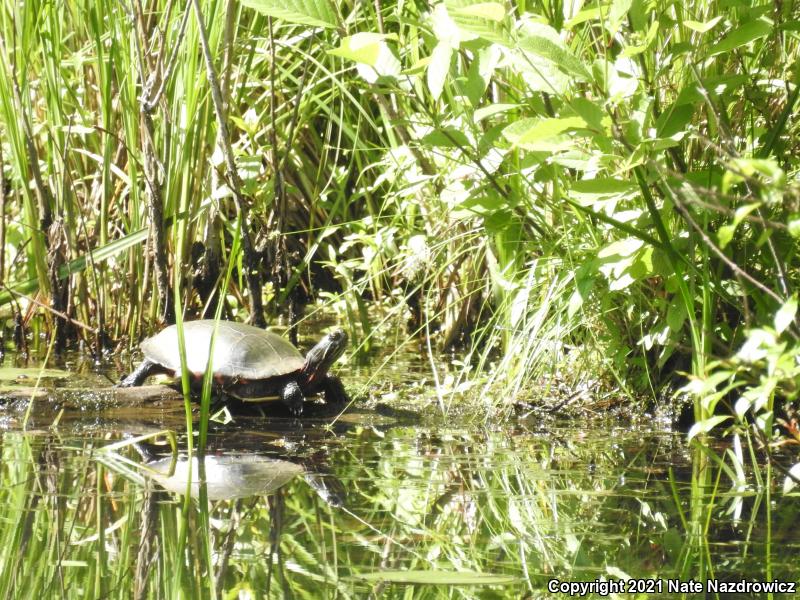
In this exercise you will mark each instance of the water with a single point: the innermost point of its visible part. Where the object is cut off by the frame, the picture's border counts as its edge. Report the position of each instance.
(374, 505)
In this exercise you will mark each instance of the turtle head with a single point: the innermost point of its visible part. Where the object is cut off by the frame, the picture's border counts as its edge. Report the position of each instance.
(320, 358)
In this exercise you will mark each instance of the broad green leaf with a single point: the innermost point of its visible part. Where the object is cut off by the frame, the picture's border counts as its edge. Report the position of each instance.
(540, 134)
(438, 577)
(643, 265)
(555, 52)
(706, 425)
(721, 85)
(480, 73)
(624, 247)
(446, 137)
(676, 313)
(593, 114)
(576, 159)
(785, 315)
(702, 27)
(494, 11)
(491, 110)
(587, 14)
(616, 14)
(674, 120)
(740, 168)
(362, 47)
(585, 277)
(484, 19)
(446, 30)
(438, 68)
(372, 55)
(744, 35)
(575, 303)
(594, 190)
(316, 13)
(757, 346)
(482, 204)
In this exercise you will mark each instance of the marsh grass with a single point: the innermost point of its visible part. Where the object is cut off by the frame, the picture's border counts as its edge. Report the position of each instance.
(581, 193)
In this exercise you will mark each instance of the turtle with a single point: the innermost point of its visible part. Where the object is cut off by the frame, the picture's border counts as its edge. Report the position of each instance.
(233, 474)
(249, 363)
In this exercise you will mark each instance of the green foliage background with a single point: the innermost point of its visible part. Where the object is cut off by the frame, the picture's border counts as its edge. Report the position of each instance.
(583, 188)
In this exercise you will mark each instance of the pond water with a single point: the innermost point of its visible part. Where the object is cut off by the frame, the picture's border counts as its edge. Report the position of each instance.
(378, 503)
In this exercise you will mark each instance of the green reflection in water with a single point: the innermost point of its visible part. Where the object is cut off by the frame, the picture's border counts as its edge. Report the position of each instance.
(428, 512)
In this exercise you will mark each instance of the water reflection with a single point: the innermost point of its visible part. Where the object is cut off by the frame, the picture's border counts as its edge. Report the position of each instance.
(240, 475)
(455, 510)
(226, 477)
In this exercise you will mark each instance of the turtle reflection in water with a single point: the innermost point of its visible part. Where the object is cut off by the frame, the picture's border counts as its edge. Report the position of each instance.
(232, 476)
(249, 363)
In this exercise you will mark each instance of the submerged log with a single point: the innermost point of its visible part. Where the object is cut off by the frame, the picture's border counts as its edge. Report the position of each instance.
(158, 397)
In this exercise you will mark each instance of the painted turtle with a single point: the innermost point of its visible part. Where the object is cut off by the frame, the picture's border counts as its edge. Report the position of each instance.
(231, 476)
(249, 363)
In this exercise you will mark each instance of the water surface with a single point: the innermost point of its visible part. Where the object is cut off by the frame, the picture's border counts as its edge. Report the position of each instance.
(376, 503)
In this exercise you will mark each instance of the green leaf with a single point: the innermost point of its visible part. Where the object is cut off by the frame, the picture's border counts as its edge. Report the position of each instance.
(674, 120)
(556, 53)
(316, 13)
(702, 27)
(446, 137)
(369, 49)
(616, 14)
(484, 19)
(649, 38)
(438, 577)
(438, 68)
(676, 313)
(726, 232)
(706, 425)
(785, 315)
(722, 84)
(794, 225)
(725, 235)
(742, 36)
(541, 134)
(624, 247)
(480, 73)
(361, 47)
(587, 14)
(493, 11)
(491, 110)
(590, 191)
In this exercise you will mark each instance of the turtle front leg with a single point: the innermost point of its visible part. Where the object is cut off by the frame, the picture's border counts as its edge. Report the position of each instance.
(292, 396)
(334, 390)
(142, 372)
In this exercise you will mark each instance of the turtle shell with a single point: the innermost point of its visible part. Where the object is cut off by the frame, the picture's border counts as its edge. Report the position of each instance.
(240, 351)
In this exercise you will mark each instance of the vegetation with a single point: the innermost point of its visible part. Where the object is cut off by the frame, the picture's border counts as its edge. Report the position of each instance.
(544, 186)
(563, 191)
